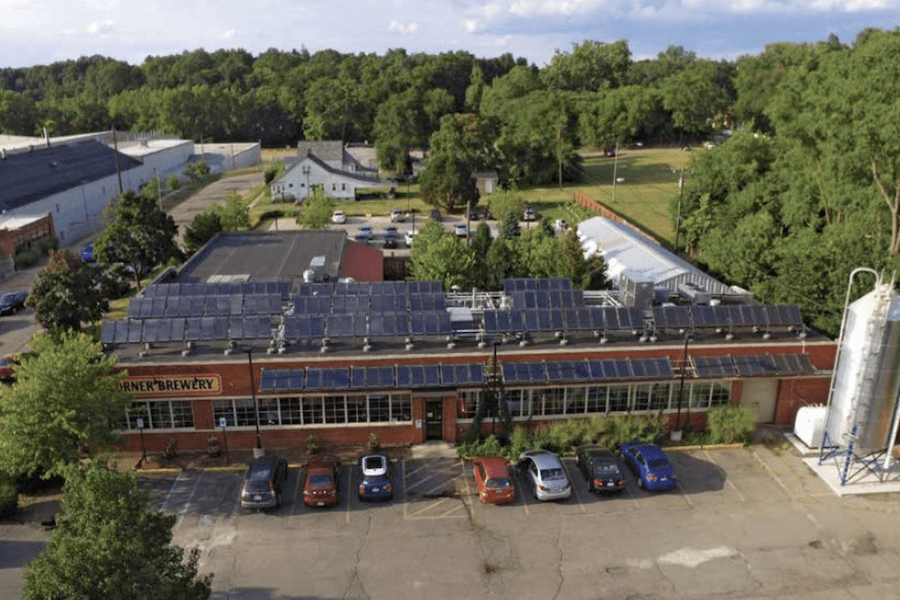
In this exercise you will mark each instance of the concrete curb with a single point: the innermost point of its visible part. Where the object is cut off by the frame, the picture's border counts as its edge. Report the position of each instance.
(705, 447)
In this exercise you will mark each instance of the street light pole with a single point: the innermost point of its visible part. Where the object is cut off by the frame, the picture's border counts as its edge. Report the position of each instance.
(255, 403)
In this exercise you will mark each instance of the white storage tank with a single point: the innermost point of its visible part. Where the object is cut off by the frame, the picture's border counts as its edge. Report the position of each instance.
(809, 424)
(866, 379)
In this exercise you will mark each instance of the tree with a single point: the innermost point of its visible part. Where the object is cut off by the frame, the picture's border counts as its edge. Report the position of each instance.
(202, 229)
(65, 294)
(440, 255)
(235, 215)
(138, 234)
(316, 211)
(697, 95)
(591, 66)
(585, 273)
(481, 245)
(112, 546)
(447, 182)
(65, 404)
(196, 170)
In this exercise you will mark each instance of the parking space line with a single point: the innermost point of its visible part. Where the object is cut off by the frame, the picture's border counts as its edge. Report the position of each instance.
(574, 491)
(414, 471)
(403, 479)
(187, 504)
(774, 475)
(429, 507)
(453, 510)
(349, 494)
(727, 479)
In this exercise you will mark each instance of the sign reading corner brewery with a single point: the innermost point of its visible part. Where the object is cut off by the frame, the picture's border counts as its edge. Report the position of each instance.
(197, 384)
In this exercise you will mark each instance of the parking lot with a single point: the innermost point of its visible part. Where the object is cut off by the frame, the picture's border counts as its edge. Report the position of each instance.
(743, 523)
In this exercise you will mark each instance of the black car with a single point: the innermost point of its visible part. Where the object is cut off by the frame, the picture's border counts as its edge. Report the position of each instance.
(263, 482)
(12, 302)
(435, 215)
(601, 469)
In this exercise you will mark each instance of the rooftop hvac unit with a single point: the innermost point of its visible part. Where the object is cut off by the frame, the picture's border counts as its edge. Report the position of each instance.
(637, 294)
(693, 292)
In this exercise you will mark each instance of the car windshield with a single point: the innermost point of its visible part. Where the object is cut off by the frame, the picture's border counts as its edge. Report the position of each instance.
(372, 463)
(658, 463)
(320, 481)
(550, 474)
(260, 473)
(497, 483)
(605, 468)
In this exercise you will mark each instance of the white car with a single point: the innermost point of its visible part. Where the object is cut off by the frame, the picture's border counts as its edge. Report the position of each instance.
(546, 474)
(408, 237)
(338, 217)
(461, 230)
(397, 215)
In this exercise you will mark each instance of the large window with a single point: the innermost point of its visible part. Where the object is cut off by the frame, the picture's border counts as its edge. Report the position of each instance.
(314, 410)
(161, 414)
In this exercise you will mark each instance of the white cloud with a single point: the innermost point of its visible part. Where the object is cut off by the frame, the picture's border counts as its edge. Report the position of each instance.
(102, 27)
(472, 25)
(227, 35)
(403, 27)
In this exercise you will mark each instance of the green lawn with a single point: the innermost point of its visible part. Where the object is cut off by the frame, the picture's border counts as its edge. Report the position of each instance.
(650, 181)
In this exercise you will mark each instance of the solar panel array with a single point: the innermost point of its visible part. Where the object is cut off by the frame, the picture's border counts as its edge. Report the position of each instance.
(727, 317)
(160, 307)
(525, 285)
(360, 378)
(626, 369)
(237, 328)
(593, 318)
(281, 288)
(753, 365)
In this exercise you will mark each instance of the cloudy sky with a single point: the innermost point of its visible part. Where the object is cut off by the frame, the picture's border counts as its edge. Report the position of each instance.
(43, 31)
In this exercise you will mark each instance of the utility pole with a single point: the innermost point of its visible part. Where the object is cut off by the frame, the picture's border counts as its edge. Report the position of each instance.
(615, 170)
(559, 153)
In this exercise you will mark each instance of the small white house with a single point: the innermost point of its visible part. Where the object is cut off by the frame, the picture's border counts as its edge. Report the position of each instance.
(311, 171)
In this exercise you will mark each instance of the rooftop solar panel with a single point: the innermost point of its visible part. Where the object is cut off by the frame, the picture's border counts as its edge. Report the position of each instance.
(339, 326)
(793, 364)
(672, 317)
(108, 333)
(652, 368)
(714, 366)
(783, 315)
(755, 365)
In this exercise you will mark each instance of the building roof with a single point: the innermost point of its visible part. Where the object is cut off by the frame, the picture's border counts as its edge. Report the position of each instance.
(266, 256)
(632, 256)
(30, 176)
(325, 150)
(360, 177)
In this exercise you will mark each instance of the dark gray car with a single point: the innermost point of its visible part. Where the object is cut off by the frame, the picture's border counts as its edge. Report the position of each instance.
(601, 469)
(263, 482)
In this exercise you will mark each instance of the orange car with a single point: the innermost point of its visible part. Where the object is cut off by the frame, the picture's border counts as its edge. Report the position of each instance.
(321, 487)
(495, 486)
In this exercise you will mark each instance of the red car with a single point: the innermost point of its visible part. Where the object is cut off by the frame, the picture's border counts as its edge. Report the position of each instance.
(495, 486)
(321, 487)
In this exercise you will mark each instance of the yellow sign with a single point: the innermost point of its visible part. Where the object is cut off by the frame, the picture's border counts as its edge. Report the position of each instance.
(198, 384)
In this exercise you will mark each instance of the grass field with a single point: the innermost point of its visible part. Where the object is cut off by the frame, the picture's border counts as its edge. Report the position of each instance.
(650, 182)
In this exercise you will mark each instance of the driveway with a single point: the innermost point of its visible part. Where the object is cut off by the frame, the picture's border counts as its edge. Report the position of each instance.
(185, 212)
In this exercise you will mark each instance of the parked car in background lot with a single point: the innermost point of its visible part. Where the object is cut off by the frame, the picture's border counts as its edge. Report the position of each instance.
(397, 215)
(492, 478)
(338, 217)
(12, 302)
(435, 215)
(87, 253)
(546, 474)
(390, 236)
(375, 477)
(263, 482)
(601, 469)
(364, 234)
(461, 230)
(321, 487)
(408, 237)
(650, 465)
(530, 214)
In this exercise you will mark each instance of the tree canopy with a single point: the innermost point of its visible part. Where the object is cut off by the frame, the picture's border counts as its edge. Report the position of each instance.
(111, 545)
(67, 293)
(65, 404)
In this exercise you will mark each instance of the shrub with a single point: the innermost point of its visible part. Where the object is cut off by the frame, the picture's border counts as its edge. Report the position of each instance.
(312, 444)
(274, 171)
(729, 424)
(171, 449)
(173, 183)
(212, 447)
(490, 446)
(374, 442)
(9, 496)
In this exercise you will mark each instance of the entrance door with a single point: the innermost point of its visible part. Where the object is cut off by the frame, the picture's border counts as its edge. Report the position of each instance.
(434, 429)
(759, 395)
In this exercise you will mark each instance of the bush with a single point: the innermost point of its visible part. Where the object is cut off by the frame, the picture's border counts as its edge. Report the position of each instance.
(9, 496)
(173, 183)
(312, 444)
(274, 171)
(729, 424)
(374, 442)
(490, 446)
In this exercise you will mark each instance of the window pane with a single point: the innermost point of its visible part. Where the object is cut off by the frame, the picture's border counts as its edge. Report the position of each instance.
(268, 411)
(700, 393)
(596, 399)
(514, 401)
(291, 413)
(575, 400)
(642, 397)
(379, 408)
(356, 409)
(138, 410)
(182, 415)
(224, 408)
(401, 409)
(659, 396)
(245, 413)
(312, 410)
(618, 398)
(721, 394)
(160, 415)
(334, 409)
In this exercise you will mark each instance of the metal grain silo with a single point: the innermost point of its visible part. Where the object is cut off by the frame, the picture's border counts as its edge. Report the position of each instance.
(866, 378)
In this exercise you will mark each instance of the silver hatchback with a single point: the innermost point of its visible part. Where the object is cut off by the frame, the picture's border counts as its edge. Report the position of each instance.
(545, 471)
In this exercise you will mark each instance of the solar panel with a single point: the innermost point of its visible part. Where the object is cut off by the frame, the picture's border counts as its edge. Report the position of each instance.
(566, 371)
(360, 326)
(610, 369)
(672, 317)
(135, 331)
(358, 378)
(516, 321)
(556, 320)
(339, 326)
(380, 377)
(192, 329)
(281, 380)
(491, 324)
(714, 317)
(335, 379)
(313, 378)
(714, 366)
(755, 365)
(651, 368)
(150, 329)
(629, 319)
(783, 315)
(108, 333)
(793, 364)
